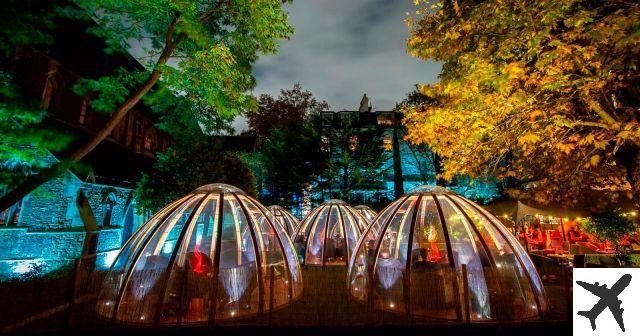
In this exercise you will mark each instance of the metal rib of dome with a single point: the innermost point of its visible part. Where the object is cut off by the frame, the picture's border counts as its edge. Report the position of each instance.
(285, 218)
(434, 255)
(367, 213)
(215, 254)
(328, 235)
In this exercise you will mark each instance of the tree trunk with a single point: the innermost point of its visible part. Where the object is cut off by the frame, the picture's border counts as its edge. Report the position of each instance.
(437, 166)
(634, 180)
(345, 177)
(34, 181)
(398, 179)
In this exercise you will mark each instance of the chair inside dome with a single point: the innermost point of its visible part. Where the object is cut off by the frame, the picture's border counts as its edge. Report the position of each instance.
(328, 235)
(215, 254)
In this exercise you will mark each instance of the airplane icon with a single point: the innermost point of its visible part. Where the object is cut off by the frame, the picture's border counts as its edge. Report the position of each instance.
(608, 299)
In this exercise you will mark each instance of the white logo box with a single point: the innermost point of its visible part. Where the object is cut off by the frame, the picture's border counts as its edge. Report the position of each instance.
(584, 300)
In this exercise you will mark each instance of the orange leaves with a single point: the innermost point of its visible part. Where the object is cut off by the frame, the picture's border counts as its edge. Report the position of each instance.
(515, 70)
(535, 114)
(531, 90)
(529, 138)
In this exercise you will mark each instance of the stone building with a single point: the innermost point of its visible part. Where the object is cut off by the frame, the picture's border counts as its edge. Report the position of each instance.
(407, 166)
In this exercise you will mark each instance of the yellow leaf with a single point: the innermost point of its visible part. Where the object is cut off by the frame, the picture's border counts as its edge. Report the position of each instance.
(528, 138)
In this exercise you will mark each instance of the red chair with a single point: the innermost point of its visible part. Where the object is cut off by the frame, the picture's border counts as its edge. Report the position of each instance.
(556, 240)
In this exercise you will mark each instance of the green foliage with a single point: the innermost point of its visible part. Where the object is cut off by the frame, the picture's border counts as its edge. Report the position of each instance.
(614, 227)
(355, 162)
(24, 23)
(108, 92)
(210, 47)
(289, 157)
(199, 50)
(196, 156)
(24, 142)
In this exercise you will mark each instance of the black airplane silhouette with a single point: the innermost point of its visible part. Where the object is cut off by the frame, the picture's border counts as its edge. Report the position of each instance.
(608, 298)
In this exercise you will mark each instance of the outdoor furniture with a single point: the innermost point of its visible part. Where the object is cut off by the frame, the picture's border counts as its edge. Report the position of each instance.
(212, 263)
(326, 229)
(436, 252)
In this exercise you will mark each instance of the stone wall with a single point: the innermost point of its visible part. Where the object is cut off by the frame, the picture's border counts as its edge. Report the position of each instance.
(50, 232)
(53, 205)
(23, 252)
(100, 196)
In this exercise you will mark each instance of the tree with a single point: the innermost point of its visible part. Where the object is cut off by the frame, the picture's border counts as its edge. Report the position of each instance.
(356, 160)
(416, 100)
(614, 227)
(200, 49)
(24, 142)
(196, 156)
(289, 111)
(289, 156)
(542, 91)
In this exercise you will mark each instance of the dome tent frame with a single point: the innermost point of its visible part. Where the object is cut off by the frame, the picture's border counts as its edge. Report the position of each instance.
(367, 213)
(415, 202)
(285, 218)
(256, 220)
(309, 227)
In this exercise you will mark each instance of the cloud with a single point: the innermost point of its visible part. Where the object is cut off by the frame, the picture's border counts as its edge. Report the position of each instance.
(342, 49)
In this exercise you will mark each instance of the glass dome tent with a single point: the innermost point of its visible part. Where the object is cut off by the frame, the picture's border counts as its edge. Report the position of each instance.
(328, 235)
(367, 213)
(434, 255)
(215, 254)
(285, 218)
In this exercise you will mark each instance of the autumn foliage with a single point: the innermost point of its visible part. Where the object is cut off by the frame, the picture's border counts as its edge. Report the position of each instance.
(543, 92)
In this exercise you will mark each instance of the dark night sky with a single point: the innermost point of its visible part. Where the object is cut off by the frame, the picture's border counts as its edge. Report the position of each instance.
(343, 48)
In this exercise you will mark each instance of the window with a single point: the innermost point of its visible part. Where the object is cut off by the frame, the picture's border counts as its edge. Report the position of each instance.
(83, 112)
(149, 140)
(327, 119)
(109, 202)
(345, 118)
(387, 143)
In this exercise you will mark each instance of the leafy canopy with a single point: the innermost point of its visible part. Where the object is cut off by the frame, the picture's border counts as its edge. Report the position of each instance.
(614, 227)
(211, 46)
(289, 156)
(24, 143)
(196, 156)
(542, 91)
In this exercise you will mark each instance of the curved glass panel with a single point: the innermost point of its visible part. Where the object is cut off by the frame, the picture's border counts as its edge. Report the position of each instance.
(213, 255)
(367, 213)
(328, 235)
(284, 218)
(434, 255)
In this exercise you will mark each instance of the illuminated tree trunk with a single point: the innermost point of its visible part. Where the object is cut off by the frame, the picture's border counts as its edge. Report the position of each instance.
(437, 167)
(34, 181)
(345, 174)
(634, 179)
(398, 179)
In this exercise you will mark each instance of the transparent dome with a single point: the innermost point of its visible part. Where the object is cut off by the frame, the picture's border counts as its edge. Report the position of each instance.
(285, 218)
(434, 255)
(328, 235)
(367, 213)
(212, 255)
